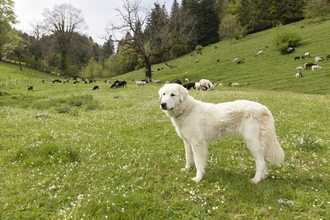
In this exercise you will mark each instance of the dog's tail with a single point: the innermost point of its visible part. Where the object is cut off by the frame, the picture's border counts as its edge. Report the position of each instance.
(274, 152)
(272, 147)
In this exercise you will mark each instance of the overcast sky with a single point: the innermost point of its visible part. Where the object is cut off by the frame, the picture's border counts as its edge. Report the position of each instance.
(96, 12)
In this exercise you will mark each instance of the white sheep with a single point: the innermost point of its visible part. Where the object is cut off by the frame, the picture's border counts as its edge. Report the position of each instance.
(298, 75)
(234, 84)
(235, 60)
(156, 81)
(196, 61)
(260, 52)
(307, 54)
(186, 80)
(213, 51)
(205, 83)
(197, 86)
(220, 84)
(186, 73)
(190, 58)
(167, 82)
(300, 68)
(109, 81)
(318, 59)
(140, 83)
(316, 67)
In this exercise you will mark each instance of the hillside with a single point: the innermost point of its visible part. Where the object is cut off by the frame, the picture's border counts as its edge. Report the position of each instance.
(271, 71)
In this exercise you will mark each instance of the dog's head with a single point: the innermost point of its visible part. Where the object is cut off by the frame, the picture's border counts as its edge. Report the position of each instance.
(171, 96)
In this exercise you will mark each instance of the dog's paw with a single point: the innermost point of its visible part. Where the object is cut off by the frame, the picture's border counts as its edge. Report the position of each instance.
(196, 179)
(254, 181)
(264, 176)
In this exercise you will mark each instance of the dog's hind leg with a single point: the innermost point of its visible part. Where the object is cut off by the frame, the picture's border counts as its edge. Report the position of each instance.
(257, 152)
(189, 156)
(200, 155)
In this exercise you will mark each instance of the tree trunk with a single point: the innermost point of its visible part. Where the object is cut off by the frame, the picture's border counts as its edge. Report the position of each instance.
(62, 63)
(148, 73)
(20, 65)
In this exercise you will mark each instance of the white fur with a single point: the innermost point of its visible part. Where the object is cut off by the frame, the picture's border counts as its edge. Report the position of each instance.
(198, 123)
(198, 86)
(298, 75)
(316, 67)
(205, 83)
(300, 68)
(140, 83)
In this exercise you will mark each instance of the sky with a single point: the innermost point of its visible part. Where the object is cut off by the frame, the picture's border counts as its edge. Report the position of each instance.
(96, 13)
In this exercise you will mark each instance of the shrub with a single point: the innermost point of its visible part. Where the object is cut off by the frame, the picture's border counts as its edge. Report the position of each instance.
(283, 40)
(199, 49)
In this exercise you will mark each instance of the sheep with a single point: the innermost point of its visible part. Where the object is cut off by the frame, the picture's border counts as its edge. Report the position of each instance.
(318, 59)
(297, 58)
(328, 56)
(220, 84)
(234, 84)
(196, 61)
(30, 88)
(240, 62)
(178, 82)
(291, 50)
(186, 80)
(218, 60)
(206, 84)
(167, 82)
(261, 52)
(43, 81)
(140, 83)
(197, 86)
(235, 60)
(156, 81)
(190, 58)
(186, 73)
(109, 81)
(307, 54)
(122, 84)
(300, 68)
(298, 75)
(53, 80)
(189, 86)
(213, 51)
(114, 85)
(309, 65)
(316, 67)
(96, 87)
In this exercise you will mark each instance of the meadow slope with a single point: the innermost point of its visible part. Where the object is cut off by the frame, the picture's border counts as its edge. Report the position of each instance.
(113, 154)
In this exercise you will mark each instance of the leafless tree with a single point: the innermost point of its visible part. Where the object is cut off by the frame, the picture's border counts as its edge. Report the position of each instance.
(62, 22)
(38, 31)
(150, 38)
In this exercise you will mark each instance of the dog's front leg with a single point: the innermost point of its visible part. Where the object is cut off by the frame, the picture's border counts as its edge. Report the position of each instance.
(200, 155)
(189, 156)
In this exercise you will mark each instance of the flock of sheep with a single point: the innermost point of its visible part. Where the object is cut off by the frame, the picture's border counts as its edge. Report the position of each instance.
(310, 65)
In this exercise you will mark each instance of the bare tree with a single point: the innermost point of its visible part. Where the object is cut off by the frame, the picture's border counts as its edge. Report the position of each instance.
(229, 28)
(62, 22)
(38, 31)
(150, 38)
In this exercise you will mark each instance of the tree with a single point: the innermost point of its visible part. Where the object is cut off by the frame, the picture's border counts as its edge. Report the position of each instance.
(316, 9)
(229, 28)
(38, 31)
(7, 18)
(62, 22)
(153, 39)
(16, 52)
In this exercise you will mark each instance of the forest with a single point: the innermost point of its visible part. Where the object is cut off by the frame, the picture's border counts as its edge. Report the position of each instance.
(57, 46)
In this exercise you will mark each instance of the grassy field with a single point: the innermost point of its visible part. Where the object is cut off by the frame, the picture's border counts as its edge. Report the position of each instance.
(113, 154)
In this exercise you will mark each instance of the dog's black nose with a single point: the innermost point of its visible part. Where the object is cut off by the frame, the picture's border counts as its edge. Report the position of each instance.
(163, 104)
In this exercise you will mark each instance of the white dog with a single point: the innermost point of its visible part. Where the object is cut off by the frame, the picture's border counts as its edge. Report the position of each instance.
(198, 123)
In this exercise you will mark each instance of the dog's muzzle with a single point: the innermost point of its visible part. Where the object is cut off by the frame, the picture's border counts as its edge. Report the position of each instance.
(163, 106)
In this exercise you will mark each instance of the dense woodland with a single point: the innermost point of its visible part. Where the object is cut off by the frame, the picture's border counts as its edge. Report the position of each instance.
(64, 51)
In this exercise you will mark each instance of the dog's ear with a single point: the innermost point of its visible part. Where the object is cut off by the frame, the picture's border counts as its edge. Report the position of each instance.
(183, 93)
(160, 92)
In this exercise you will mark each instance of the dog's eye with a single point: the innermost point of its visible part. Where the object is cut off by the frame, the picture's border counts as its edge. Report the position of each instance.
(164, 93)
(172, 94)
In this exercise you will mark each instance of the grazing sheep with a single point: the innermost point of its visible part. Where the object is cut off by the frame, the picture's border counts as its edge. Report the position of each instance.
(300, 68)
(156, 81)
(240, 62)
(178, 82)
(189, 86)
(297, 58)
(235, 60)
(186, 73)
(218, 60)
(316, 67)
(298, 75)
(140, 83)
(122, 84)
(291, 50)
(196, 61)
(197, 86)
(309, 65)
(213, 51)
(261, 52)
(206, 84)
(220, 84)
(114, 85)
(30, 88)
(109, 81)
(186, 80)
(96, 87)
(307, 54)
(167, 82)
(318, 59)
(116, 81)
(234, 84)
(43, 81)
(303, 57)
(328, 56)
(190, 58)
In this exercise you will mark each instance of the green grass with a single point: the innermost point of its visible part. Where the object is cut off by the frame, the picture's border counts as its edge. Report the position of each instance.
(113, 154)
